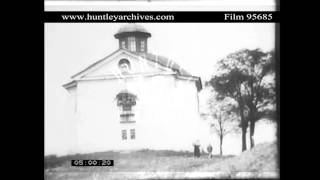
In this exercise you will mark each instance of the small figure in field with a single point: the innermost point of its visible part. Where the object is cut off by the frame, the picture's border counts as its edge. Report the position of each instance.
(209, 149)
(196, 149)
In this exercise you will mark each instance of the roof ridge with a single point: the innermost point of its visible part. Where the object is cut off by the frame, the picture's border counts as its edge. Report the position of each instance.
(165, 61)
(96, 62)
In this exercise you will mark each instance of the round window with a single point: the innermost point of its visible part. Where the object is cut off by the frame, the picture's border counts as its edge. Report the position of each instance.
(124, 65)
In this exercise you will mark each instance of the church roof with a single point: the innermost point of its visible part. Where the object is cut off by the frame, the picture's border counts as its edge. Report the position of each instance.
(164, 61)
(132, 28)
(161, 60)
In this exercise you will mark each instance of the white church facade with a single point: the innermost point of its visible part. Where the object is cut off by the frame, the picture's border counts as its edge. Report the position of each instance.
(132, 99)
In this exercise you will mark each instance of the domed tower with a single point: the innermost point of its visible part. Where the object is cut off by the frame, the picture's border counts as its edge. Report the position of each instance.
(133, 37)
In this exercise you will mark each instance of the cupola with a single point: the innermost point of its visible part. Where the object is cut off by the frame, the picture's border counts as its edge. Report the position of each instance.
(133, 37)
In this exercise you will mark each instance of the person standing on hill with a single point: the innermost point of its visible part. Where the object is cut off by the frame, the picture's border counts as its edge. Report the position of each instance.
(196, 149)
(209, 149)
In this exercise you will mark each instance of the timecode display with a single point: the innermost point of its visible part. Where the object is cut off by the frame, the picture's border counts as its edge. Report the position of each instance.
(92, 163)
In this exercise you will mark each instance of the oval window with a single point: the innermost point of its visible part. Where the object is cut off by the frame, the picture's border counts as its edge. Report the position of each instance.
(124, 65)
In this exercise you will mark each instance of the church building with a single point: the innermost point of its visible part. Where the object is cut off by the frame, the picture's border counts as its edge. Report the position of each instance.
(133, 99)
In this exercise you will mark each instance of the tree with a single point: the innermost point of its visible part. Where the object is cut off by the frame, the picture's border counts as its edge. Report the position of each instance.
(259, 87)
(247, 76)
(229, 84)
(223, 115)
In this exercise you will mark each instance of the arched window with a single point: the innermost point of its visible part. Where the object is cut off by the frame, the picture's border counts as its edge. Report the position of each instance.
(142, 45)
(124, 65)
(132, 43)
(126, 101)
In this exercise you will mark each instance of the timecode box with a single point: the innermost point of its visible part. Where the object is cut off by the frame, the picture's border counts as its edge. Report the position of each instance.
(87, 162)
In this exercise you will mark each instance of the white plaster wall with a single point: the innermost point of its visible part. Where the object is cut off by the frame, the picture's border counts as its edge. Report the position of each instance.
(166, 114)
(70, 116)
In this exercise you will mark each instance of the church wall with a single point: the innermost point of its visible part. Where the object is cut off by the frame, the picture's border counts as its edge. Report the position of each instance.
(70, 117)
(98, 122)
(166, 114)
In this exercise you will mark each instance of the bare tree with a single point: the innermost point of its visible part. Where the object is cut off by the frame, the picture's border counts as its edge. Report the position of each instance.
(223, 119)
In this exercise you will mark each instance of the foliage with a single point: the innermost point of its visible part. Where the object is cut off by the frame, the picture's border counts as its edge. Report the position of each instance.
(223, 115)
(248, 77)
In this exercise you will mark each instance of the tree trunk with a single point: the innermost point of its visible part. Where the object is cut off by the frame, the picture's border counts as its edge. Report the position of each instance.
(252, 120)
(243, 122)
(244, 126)
(244, 138)
(252, 125)
(221, 139)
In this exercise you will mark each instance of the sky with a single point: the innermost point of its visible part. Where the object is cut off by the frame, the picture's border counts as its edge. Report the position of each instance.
(70, 47)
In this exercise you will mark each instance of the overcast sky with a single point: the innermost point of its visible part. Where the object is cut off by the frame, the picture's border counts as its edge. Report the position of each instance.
(69, 47)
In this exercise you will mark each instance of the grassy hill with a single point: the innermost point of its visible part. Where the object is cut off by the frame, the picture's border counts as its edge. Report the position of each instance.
(262, 160)
(258, 162)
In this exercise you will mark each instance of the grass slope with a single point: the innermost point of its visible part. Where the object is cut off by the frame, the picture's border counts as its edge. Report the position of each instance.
(261, 160)
(166, 164)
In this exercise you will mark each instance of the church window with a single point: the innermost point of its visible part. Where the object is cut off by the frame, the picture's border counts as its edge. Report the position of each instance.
(132, 133)
(142, 46)
(124, 66)
(132, 43)
(124, 134)
(126, 101)
(127, 116)
(123, 44)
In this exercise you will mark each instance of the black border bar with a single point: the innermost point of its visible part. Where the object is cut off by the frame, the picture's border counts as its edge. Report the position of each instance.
(161, 16)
